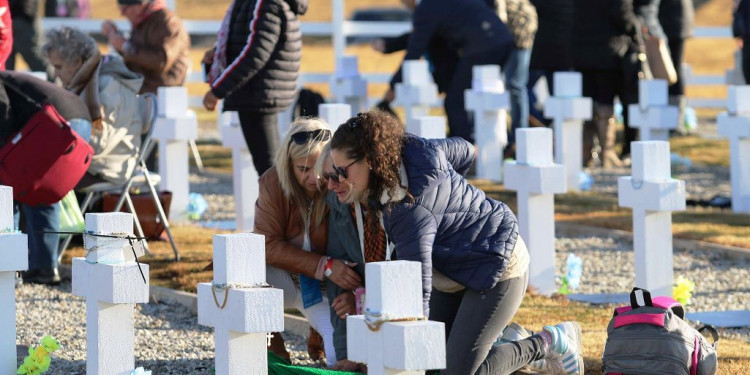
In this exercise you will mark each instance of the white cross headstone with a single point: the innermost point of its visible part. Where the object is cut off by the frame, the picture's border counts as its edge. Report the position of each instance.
(334, 114)
(432, 127)
(112, 284)
(536, 178)
(244, 175)
(735, 76)
(236, 305)
(653, 195)
(347, 85)
(405, 347)
(653, 115)
(568, 109)
(735, 125)
(175, 125)
(490, 103)
(15, 258)
(417, 93)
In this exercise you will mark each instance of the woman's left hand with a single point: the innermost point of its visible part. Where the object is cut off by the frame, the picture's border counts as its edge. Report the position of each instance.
(344, 305)
(210, 100)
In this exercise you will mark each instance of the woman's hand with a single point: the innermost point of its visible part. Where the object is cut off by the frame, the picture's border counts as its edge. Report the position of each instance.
(210, 100)
(347, 365)
(343, 275)
(208, 57)
(108, 27)
(344, 304)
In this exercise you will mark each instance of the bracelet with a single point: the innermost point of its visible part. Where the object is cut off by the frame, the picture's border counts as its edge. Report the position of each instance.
(329, 265)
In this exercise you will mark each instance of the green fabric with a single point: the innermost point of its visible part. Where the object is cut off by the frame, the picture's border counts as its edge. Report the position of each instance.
(277, 366)
(71, 219)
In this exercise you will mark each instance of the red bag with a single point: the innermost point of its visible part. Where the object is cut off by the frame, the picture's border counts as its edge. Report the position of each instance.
(45, 160)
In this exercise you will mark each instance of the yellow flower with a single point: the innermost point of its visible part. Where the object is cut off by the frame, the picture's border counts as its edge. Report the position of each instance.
(50, 344)
(683, 290)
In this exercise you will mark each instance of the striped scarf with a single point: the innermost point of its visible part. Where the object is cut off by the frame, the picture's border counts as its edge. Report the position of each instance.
(220, 48)
(374, 237)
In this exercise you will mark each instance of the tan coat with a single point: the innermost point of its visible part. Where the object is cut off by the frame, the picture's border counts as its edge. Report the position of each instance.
(159, 49)
(278, 218)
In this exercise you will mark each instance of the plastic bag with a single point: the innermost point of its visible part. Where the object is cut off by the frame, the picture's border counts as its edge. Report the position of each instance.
(71, 218)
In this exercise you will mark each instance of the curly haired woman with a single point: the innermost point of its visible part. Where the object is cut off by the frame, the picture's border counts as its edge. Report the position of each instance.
(474, 263)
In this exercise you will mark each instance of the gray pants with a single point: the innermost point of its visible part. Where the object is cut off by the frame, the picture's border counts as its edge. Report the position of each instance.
(27, 40)
(474, 321)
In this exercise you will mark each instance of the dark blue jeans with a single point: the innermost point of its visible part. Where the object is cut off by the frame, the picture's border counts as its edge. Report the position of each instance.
(517, 77)
(42, 246)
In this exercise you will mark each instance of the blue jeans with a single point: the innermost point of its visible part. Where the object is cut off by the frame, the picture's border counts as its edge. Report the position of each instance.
(42, 246)
(516, 78)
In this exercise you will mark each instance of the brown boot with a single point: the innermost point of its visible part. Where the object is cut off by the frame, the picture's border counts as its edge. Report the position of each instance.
(607, 131)
(315, 345)
(277, 347)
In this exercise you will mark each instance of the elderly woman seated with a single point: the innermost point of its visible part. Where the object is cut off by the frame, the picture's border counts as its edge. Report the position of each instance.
(110, 92)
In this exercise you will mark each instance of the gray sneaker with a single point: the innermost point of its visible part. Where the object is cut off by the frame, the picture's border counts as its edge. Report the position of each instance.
(514, 332)
(564, 355)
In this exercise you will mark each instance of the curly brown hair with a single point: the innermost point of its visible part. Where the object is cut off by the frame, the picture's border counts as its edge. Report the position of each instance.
(377, 137)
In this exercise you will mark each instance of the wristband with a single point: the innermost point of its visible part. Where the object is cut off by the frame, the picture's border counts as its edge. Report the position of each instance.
(329, 265)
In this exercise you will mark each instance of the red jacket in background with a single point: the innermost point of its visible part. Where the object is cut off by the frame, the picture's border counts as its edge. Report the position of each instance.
(6, 33)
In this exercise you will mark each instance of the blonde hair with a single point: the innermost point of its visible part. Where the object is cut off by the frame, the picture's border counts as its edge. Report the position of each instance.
(325, 154)
(288, 151)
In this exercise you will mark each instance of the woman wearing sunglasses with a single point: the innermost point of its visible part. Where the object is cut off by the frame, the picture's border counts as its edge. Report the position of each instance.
(474, 263)
(291, 214)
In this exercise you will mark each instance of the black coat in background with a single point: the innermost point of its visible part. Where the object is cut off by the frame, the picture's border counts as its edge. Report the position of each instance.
(648, 11)
(677, 18)
(602, 32)
(552, 49)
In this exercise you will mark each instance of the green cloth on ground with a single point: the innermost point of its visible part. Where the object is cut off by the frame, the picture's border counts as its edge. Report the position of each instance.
(277, 366)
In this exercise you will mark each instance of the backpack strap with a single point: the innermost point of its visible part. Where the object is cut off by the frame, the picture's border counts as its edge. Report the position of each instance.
(712, 331)
(640, 297)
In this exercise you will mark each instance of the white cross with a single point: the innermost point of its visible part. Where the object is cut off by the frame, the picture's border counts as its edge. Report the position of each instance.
(653, 195)
(334, 114)
(173, 128)
(244, 174)
(15, 258)
(417, 93)
(243, 313)
(652, 115)
(568, 109)
(394, 289)
(347, 85)
(432, 127)
(489, 101)
(112, 284)
(536, 178)
(735, 125)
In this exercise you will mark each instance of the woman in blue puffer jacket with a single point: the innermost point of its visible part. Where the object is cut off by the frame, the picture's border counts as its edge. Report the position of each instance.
(474, 263)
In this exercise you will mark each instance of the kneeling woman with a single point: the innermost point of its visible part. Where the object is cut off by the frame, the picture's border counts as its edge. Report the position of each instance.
(291, 213)
(474, 263)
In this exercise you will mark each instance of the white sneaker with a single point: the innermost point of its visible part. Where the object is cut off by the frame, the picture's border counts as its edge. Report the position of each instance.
(564, 355)
(514, 332)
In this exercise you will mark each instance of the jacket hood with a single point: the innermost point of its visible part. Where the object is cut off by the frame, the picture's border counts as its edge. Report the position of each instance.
(298, 6)
(114, 66)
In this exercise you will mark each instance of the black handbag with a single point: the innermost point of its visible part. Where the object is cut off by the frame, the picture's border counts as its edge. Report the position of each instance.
(635, 65)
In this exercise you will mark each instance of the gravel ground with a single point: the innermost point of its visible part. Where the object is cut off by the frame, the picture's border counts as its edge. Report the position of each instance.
(169, 341)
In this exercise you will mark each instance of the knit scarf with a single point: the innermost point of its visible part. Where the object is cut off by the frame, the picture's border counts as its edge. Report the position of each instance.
(220, 48)
(85, 83)
(374, 237)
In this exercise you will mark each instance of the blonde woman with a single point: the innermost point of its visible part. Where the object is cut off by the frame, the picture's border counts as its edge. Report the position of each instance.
(291, 213)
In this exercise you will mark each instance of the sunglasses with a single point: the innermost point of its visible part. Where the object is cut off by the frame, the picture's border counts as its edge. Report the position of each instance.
(339, 171)
(303, 137)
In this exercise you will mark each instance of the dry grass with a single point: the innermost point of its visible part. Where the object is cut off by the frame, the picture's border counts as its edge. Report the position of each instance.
(701, 150)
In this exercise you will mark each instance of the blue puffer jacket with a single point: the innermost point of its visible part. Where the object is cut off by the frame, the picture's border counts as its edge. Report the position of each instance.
(451, 226)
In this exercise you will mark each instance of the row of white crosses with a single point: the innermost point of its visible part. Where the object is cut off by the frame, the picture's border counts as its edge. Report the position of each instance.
(15, 258)
(735, 125)
(112, 283)
(174, 128)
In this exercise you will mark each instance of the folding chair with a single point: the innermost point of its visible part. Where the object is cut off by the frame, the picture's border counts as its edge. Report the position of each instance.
(148, 111)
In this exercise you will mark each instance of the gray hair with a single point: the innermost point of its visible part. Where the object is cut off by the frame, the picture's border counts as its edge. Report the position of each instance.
(70, 43)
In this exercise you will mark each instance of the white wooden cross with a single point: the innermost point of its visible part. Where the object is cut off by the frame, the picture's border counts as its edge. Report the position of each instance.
(735, 76)
(334, 114)
(417, 93)
(347, 85)
(244, 175)
(15, 258)
(174, 127)
(432, 127)
(653, 115)
(489, 102)
(653, 195)
(401, 346)
(568, 109)
(112, 284)
(536, 178)
(236, 305)
(735, 125)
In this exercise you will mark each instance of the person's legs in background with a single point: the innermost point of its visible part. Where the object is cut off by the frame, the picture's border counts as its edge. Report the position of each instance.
(41, 221)
(677, 90)
(517, 77)
(455, 109)
(262, 136)
(745, 58)
(27, 41)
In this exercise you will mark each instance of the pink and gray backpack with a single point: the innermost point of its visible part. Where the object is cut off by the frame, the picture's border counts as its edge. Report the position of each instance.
(650, 337)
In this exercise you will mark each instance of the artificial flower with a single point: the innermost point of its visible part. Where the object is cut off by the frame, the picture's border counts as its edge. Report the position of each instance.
(683, 290)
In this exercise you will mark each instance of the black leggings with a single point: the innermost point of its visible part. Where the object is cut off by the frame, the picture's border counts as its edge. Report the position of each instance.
(473, 321)
(262, 137)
